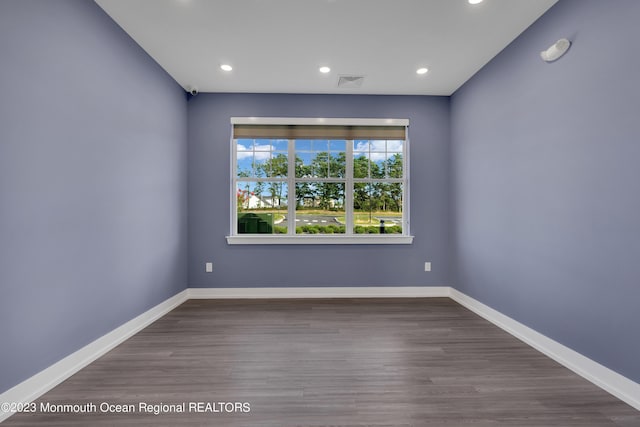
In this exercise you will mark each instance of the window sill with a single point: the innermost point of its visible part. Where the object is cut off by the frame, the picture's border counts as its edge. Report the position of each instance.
(319, 240)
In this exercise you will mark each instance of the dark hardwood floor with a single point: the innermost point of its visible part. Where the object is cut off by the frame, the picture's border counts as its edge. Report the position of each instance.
(334, 362)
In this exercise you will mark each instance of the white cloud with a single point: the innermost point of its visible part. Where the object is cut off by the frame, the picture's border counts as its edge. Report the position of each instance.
(394, 146)
(262, 152)
(361, 146)
(378, 148)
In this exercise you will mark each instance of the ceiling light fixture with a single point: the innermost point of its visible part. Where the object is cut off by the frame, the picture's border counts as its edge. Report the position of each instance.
(422, 70)
(324, 70)
(475, 1)
(226, 67)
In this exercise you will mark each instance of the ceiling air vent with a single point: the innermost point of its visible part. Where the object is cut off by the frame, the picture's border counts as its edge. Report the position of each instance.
(350, 81)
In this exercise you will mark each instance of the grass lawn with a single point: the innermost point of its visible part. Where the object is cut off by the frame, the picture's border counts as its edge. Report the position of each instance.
(364, 218)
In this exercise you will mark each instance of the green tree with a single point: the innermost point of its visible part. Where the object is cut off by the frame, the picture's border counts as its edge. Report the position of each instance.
(395, 194)
(361, 167)
(337, 164)
(394, 190)
(328, 165)
(328, 193)
(361, 197)
(394, 166)
(277, 166)
(258, 189)
(305, 191)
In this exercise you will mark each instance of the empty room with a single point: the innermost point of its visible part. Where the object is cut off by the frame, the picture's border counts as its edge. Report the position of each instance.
(319, 212)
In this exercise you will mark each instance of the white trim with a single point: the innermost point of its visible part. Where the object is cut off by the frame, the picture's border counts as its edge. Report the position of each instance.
(40, 383)
(610, 381)
(330, 239)
(406, 195)
(322, 292)
(233, 205)
(317, 121)
(291, 186)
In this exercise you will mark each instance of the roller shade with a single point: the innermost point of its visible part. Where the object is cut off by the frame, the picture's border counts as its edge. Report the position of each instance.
(248, 131)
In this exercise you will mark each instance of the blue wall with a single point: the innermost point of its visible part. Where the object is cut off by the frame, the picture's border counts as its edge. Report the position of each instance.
(331, 265)
(92, 182)
(545, 174)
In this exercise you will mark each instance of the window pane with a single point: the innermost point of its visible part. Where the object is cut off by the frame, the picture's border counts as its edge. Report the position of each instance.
(244, 166)
(244, 145)
(394, 146)
(390, 207)
(338, 145)
(361, 145)
(303, 144)
(257, 159)
(377, 166)
(320, 158)
(320, 208)
(360, 165)
(394, 165)
(262, 207)
(379, 146)
(377, 208)
(321, 165)
(320, 145)
(280, 144)
(337, 164)
(262, 145)
(261, 164)
(304, 167)
(382, 159)
(277, 166)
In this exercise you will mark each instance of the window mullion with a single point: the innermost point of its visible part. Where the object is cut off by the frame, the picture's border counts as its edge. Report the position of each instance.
(348, 191)
(291, 183)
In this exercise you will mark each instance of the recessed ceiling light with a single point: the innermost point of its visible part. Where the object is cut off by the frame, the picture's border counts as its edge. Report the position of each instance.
(325, 69)
(422, 70)
(226, 67)
(475, 1)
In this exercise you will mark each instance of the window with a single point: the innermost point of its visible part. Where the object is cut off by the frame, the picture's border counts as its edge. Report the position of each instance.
(300, 181)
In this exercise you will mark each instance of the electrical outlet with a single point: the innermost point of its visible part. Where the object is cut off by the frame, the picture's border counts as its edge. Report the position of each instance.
(427, 266)
(208, 267)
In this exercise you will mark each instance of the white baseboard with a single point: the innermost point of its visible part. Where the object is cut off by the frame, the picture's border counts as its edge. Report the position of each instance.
(322, 292)
(610, 381)
(37, 385)
(621, 387)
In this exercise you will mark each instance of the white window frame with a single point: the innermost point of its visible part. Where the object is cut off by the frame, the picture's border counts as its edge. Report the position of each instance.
(304, 239)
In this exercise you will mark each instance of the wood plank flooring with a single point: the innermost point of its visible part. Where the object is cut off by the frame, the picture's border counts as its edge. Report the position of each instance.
(334, 362)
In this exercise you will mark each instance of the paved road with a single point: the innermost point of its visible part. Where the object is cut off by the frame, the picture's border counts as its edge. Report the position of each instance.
(390, 220)
(312, 220)
(302, 219)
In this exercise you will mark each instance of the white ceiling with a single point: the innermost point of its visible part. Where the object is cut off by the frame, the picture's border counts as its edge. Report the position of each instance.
(278, 45)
